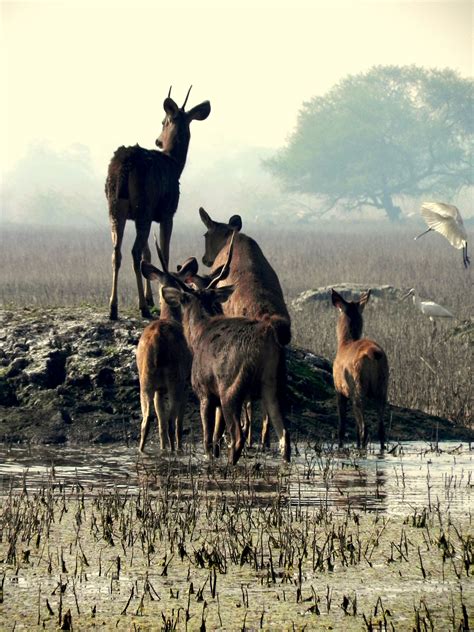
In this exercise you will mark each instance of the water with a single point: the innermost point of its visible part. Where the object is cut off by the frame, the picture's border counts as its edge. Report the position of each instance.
(411, 476)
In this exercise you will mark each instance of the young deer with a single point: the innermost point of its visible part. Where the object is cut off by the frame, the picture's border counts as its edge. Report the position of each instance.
(257, 290)
(164, 364)
(235, 360)
(360, 369)
(143, 185)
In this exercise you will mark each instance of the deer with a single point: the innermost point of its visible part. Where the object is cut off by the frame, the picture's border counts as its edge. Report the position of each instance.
(257, 290)
(164, 363)
(360, 369)
(235, 359)
(142, 185)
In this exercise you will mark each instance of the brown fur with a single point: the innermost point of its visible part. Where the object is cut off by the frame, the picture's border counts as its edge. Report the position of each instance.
(360, 369)
(257, 290)
(143, 185)
(164, 368)
(234, 360)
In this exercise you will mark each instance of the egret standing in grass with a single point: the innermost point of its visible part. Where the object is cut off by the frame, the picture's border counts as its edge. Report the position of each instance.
(429, 308)
(446, 220)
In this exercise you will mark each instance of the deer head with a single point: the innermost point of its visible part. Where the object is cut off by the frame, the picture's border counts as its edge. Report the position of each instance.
(350, 313)
(217, 235)
(175, 134)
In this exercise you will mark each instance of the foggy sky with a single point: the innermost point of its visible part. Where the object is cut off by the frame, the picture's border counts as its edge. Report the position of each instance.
(75, 72)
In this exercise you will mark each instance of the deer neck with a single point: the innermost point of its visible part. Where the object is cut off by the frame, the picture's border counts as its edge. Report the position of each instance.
(170, 313)
(346, 331)
(178, 153)
(195, 320)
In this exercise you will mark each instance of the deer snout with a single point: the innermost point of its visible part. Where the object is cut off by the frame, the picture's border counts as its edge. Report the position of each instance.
(159, 143)
(206, 261)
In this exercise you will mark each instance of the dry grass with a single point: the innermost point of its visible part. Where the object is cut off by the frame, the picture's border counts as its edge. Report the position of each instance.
(54, 267)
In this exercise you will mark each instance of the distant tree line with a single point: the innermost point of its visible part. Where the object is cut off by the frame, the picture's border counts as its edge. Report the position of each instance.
(390, 132)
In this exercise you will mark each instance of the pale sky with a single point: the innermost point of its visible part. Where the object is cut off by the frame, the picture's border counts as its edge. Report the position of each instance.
(97, 72)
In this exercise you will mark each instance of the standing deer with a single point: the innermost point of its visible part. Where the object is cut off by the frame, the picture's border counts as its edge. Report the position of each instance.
(143, 185)
(257, 290)
(235, 359)
(164, 364)
(360, 369)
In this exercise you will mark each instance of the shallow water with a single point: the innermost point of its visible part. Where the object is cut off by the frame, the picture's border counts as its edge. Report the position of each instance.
(408, 476)
(332, 528)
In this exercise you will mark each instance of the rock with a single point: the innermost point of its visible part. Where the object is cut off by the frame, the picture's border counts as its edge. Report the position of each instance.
(350, 291)
(16, 367)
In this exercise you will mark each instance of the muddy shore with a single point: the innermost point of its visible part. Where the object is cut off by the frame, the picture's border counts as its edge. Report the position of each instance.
(69, 375)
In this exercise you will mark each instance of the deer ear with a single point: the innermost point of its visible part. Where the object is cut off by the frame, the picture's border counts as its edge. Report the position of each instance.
(206, 219)
(151, 273)
(199, 112)
(364, 299)
(189, 268)
(170, 107)
(172, 296)
(221, 294)
(235, 222)
(337, 300)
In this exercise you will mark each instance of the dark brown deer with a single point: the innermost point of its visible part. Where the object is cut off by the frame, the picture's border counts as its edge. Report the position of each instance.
(360, 369)
(257, 290)
(164, 364)
(143, 185)
(235, 360)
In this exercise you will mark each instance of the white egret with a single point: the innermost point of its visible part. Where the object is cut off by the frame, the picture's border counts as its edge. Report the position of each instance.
(446, 220)
(429, 308)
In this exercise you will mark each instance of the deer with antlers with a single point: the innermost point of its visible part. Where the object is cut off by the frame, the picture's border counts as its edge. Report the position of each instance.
(235, 359)
(360, 369)
(143, 185)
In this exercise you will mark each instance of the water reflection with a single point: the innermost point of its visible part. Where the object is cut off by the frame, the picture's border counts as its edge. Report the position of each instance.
(410, 477)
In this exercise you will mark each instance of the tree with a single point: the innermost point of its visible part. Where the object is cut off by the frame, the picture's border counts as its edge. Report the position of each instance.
(393, 131)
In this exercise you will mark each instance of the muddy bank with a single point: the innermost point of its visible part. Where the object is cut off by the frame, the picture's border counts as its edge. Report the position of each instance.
(69, 375)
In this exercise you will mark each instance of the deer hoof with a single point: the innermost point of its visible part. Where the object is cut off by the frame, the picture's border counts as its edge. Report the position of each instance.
(146, 313)
(113, 315)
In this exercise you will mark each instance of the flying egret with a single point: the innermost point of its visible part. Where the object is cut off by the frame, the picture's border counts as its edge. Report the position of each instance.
(429, 308)
(446, 220)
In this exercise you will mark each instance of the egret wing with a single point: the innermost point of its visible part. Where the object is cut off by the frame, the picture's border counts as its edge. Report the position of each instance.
(446, 220)
(434, 310)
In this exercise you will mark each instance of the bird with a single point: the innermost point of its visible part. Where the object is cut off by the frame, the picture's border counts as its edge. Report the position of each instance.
(429, 308)
(446, 220)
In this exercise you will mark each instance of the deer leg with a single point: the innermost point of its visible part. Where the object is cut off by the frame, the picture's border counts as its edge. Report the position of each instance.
(219, 425)
(362, 434)
(182, 399)
(381, 425)
(232, 409)
(247, 414)
(145, 400)
(148, 291)
(272, 407)
(118, 218)
(161, 416)
(166, 228)
(138, 247)
(265, 438)
(208, 415)
(341, 402)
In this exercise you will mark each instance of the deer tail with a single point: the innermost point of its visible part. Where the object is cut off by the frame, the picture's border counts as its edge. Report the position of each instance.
(282, 328)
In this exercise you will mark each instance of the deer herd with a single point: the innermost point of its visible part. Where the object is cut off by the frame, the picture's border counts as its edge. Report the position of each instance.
(225, 332)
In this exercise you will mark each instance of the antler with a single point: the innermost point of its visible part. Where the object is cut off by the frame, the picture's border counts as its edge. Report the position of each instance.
(169, 92)
(225, 270)
(186, 99)
(160, 255)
